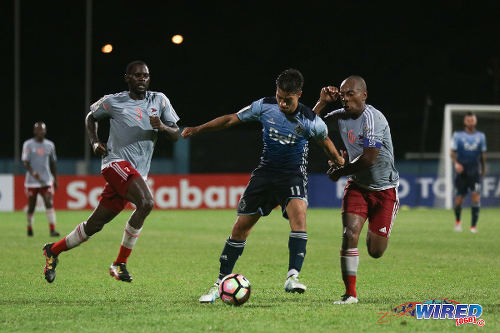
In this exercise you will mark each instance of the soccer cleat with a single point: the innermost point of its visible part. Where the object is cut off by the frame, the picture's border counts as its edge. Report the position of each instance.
(50, 263)
(347, 299)
(211, 295)
(119, 271)
(30, 232)
(458, 227)
(54, 233)
(473, 229)
(293, 285)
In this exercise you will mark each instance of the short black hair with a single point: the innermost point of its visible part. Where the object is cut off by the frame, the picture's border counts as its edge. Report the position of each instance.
(132, 64)
(468, 114)
(290, 81)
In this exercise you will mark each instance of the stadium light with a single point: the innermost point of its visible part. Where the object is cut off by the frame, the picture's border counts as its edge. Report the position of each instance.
(108, 48)
(177, 39)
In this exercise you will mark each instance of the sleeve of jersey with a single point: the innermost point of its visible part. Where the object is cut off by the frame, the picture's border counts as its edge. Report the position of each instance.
(251, 112)
(168, 115)
(25, 157)
(372, 132)
(101, 109)
(319, 130)
(483, 143)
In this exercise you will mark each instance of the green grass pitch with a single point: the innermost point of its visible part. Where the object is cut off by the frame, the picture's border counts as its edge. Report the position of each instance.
(176, 260)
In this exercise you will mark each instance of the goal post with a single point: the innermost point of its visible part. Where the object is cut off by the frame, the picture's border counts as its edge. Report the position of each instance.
(488, 117)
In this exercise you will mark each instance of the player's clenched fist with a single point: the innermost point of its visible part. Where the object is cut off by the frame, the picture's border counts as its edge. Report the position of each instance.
(329, 94)
(189, 131)
(100, 149)
(155, 122)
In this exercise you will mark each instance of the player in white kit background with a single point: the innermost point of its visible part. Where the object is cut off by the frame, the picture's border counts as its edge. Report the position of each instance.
(371, 191)
(137, 117)
(39, 158)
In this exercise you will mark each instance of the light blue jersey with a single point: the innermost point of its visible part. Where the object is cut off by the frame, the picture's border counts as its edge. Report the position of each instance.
(131, 137)
(285, 137)
(469, 147)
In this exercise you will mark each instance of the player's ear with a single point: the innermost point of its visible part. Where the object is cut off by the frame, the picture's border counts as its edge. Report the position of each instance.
(125, 77)
(365, 95)
(299, 93)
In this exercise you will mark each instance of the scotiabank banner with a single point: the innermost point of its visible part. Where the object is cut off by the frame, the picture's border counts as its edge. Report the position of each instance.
(169, 192)
(199, 191)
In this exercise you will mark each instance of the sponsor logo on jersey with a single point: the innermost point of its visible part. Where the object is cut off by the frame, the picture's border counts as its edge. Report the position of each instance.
(299, 129)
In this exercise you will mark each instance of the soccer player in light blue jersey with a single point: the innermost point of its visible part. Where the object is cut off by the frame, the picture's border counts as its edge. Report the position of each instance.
(468, 149)
(372, 189)
(39, 158)
(137, 117)
(281, 176)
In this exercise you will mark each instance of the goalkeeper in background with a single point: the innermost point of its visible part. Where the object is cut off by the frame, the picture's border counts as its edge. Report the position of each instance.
(467, 153)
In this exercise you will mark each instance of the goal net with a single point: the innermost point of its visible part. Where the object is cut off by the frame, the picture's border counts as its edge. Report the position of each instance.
(488, 122)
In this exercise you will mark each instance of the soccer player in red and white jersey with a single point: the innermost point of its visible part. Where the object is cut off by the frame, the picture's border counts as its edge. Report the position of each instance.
(137, 117)
(371, 191)
(39, 158)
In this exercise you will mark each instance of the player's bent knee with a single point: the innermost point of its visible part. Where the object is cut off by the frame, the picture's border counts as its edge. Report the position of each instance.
(146, 205)
(351, 235)
(375, 253)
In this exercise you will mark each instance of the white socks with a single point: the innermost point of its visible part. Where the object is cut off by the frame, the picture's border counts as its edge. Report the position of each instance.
(77, 236)
(130, 236)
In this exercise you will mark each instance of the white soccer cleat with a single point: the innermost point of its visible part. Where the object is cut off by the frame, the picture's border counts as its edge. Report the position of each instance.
(292, 285)
(473, 230)
(347, 299)
(458, 227)
(211, 295)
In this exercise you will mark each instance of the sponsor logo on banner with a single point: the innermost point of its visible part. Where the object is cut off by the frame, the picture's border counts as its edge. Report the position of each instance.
(437, 309)
(169, 192)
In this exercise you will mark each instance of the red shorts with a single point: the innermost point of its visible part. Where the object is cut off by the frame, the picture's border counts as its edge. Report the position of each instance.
(380, 207)
(33, 191)
(118, 176)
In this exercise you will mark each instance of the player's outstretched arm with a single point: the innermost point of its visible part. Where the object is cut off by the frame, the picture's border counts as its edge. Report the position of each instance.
(326, 96)
(216, 124)
(99, 148)
(171, 130)
(330, 151)
(364, 161)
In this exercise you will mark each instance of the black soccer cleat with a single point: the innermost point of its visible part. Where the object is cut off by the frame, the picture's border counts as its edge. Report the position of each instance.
(30, 232)
(119, 272)
(54, 233)
(50, 263)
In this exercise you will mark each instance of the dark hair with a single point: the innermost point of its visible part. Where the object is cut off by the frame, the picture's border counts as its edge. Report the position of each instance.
(468, 114)
(132, 64)
(290, 81)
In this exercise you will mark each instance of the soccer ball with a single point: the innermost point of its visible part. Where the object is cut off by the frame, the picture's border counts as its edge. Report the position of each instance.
(234, 289)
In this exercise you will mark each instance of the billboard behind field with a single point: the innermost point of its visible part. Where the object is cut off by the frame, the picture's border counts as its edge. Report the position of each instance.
(218, 191)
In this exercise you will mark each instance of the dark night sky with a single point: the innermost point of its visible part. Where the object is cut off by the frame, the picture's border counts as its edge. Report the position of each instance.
(234, 50)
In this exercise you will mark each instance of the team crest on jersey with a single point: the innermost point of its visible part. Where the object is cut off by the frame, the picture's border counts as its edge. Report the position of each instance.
(299, 129)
